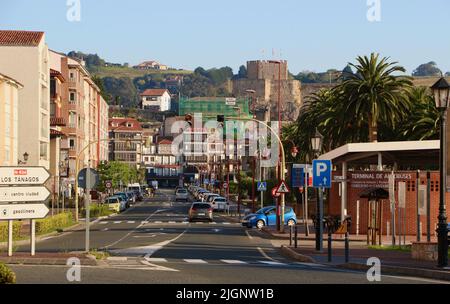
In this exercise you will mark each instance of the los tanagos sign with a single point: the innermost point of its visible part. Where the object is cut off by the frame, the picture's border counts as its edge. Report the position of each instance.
(376, 179)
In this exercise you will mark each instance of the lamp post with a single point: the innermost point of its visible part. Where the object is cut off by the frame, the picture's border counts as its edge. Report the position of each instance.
(25, 159)
(316, 144)
(441, 92)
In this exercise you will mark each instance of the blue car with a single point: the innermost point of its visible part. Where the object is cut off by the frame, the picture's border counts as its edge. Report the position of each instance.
(267, 217)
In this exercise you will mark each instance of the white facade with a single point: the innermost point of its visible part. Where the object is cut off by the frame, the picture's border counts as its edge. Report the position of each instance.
(29, 65)
(162, 100)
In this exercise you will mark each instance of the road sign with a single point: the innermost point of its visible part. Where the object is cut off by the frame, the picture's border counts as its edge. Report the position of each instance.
(23, 194)
(225, 185)
(23, 176)
(262, 186)
(322, 173)
(283, 188)
(108, 184)
(275, 194)
(23, 211)
(94, 179)
(297, 176)
(230, 101)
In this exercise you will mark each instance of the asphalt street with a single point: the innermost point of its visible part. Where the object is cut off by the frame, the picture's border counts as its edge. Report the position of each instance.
(153, 242)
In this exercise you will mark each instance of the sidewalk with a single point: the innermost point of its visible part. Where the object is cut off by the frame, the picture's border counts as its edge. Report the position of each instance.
(393, 262)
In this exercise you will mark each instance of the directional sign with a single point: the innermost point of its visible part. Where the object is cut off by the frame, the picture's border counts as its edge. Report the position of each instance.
(283, 188)
(108, 184)
(322, 173)
(94, 179)
(262, 186)
(24, 194)
(23, 176)
(23, 211)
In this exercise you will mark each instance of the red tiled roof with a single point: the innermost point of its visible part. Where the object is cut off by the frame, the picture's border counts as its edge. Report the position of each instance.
(165, 142)
(154, 92)
(57, 122)
(121, 124)
(57, 74)
(20, 38)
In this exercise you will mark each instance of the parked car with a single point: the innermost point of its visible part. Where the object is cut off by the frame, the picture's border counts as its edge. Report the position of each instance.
(268, 217)
(210, 196)
(181, 194)
(125, 197)
(219, 203)
(115, 203)
(200, 211)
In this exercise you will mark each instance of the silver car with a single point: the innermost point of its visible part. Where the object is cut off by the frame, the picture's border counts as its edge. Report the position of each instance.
(201, 211)
(181, 194)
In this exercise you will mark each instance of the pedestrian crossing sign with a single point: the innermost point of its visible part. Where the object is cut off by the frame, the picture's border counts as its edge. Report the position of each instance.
(283, 188)
(262, 186)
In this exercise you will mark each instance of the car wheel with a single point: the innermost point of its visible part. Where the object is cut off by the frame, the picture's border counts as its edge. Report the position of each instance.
(291, 222)
(260, 224)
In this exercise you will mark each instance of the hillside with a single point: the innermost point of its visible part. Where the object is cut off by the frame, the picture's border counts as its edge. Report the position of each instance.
(119, 72)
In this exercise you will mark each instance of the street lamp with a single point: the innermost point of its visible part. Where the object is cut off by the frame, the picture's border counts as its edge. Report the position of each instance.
(316, 145)
(441, 92)
(25, 159)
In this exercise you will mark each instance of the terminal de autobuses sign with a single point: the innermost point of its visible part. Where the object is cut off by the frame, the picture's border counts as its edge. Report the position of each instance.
(376, 179)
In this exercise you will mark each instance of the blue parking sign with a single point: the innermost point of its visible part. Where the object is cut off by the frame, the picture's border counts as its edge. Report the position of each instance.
(322, 173)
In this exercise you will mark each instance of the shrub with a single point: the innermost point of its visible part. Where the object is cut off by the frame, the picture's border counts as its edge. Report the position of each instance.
(17, 226)
(97, 210)
(7, 276)
(54, 223)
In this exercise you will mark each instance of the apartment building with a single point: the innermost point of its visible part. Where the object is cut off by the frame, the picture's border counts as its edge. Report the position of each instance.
(83, 115)
(125, 140)
(24, 56)
(162, 165)
(158, 100)
(9, 120)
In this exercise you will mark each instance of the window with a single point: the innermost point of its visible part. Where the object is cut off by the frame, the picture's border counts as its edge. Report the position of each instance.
(72, 143)
(72, 97)
(43, 151)
(44, 125)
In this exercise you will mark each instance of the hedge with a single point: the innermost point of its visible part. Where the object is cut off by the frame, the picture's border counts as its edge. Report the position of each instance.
(7, 276)
(54, 223)
(17, 226)
(97, 210)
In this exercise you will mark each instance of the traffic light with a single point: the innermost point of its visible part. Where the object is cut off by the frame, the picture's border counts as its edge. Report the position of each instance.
(221, 118)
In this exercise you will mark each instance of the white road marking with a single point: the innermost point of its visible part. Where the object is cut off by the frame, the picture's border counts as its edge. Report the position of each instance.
(156, 260)
(248, 234)
(195, 261)
(158, 222)
(233, 262)
(122, 259)
(117, 222)
(226, 223)
(131, 222)
(145, 222)
(271, 263)
(106, 229)
(157, 267)
(265, 254)
(103, 223)
(172, 222)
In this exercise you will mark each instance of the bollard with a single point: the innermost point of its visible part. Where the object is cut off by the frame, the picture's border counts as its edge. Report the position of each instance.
(295, 236)
(329, 245)
(290, 235)
(347, 248)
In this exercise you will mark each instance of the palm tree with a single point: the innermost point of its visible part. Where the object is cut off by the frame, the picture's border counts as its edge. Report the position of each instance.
(373, 93)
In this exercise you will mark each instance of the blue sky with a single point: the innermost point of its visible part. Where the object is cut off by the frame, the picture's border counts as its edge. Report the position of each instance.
(311, 35)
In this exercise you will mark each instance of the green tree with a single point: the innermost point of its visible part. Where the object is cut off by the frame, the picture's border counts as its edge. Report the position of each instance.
(427, 69)
(117, 172)
(375, 93)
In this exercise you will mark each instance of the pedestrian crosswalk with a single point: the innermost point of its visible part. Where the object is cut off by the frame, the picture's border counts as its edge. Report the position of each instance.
(180, 222)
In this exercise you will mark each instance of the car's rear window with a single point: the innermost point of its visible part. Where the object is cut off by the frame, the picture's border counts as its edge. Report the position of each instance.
(202, 206)
(181, 191)
(220, 199)
(111, 200)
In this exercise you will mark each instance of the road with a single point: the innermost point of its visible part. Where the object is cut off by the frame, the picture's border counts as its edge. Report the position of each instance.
(153, 242)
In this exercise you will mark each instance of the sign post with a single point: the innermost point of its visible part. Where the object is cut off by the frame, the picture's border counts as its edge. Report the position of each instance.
(23, 185)
(392, 201)
(321, 180)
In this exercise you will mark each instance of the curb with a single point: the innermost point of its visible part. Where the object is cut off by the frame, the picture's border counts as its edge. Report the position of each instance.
(406, 271)
(286, 237)
(288, 252)
(4, 245)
